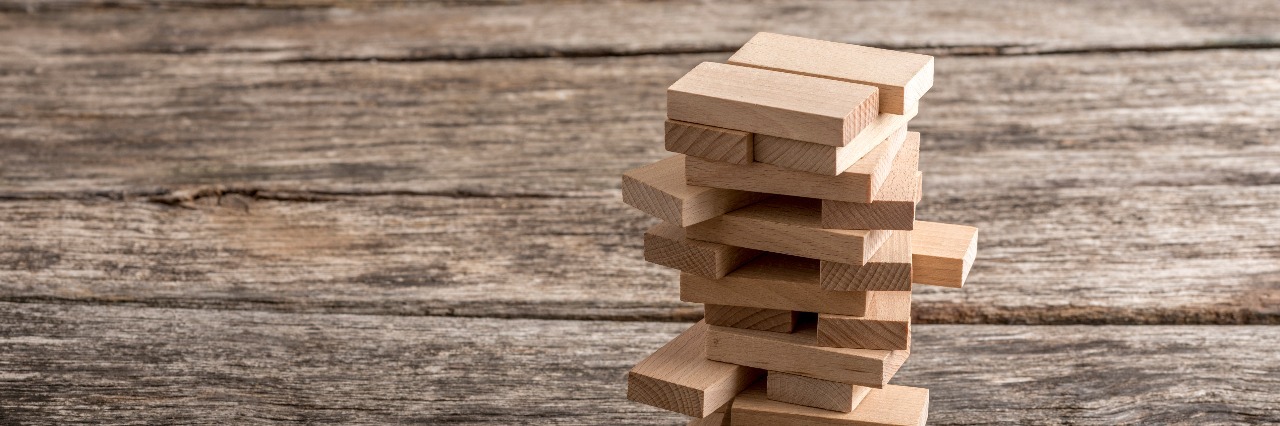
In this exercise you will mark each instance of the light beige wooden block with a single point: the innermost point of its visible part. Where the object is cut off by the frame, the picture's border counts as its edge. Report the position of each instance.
(772, 281)
(659, 189)
(826, 159)
(789, 225)
(816, 393)
(857, 184)
(902, 77)
(894, 206)
(711, 143)
(888, 270)
(678, 377)
(665, 244)
(718, 418)
(799, 353)
(891, 406)
(774, 103)
(885, 325)
(942, 254)
(775, 320)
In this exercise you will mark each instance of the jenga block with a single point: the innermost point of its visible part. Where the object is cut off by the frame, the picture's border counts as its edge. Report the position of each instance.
(659, 190)
(677, 377)
(718, 418)
(789, 225)
(665, 244)
(711, 143)
(817, 393)
(775, 320)
(888, 270)
(798, 353)
(774, 103)
(891, 406)
(826, 159)
(773, 281)
(894, 206)
(942, 254)
(885, 325)
(901, 77)
(857, 184)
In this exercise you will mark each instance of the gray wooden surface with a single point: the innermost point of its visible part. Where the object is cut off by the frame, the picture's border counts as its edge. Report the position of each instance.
(224, 211)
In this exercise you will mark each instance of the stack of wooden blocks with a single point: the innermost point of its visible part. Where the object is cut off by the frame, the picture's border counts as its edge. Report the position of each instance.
(789, 208)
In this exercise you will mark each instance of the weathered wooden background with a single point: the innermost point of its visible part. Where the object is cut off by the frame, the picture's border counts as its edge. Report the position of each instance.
(224, 211)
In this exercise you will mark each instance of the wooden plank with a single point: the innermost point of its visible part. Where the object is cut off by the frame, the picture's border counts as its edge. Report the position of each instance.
(826, 159)
(888, 270)
(772, 281)
(666, 245)
(789, 225)
(798, 353)
(711, 143)
(902, 77)
(894, 206)
(677, 377)
(885, 325)
(775, 320)
(891, 406)
(719, 418)
(816, 393)
(941, 254)
(659, 190)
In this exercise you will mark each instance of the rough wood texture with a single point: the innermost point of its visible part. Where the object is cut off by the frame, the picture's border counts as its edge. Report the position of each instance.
(891, 406)
(824, 159)
(942, 253)
(659, 190)
(773, 281)
(789, 225)
(798, 353)
(712, 143)
(888, 270)
(775, 320)
(665, 244)
(885, 325)
(678, 378)
(811, 392)
(895, 202)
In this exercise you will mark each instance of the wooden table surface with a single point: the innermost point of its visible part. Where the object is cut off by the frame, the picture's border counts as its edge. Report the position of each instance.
(244, 211)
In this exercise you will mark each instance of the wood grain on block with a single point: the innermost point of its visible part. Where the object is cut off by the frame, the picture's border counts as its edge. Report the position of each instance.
(789, 225)
(902, 77)
(774, 103)
(888, 270)
(720, 417)
(799, 353)
(775, 320)
(665, 244)
(773, 281)
(941, 254)
(885, 325)
(891, 405)
(816, 393)
(659, 189)
(677, 377)
(826, 159)
(712, 143)
(894, 205)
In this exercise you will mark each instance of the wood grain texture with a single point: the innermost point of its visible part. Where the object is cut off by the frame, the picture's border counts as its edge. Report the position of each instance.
(719, 418)
(773, 281)
(659, 190)
(677, 377)
(711, 143)
(888, 270)
(775, 320)
(665, 244)
(890, 406)
(885, 325)
(789, 225)
(894, 206)
(942, 253)
(773, 103)
(811, 392)
(798, 353)
(825, 159)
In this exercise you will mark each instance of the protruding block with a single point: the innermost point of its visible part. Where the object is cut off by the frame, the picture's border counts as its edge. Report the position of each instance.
(659, 189)
(798, 353)
(826, 159)
(789, 225)
(774, 103)
(891, 406)
(942, 254)
(665, 244)
(711, 143)
(678, 377)
(773, 281)
(888, 270)
(894, 206)
(902, 77)
(885, 325)
(816, 393)
(775, 320)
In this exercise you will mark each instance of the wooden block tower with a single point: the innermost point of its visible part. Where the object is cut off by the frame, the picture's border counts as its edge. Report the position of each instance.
(789, 209)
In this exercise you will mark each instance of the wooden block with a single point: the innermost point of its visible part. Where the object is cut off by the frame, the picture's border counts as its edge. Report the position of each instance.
(942, 254)
(775, 320)
(789, 225)
(901, 77)
(888, 270)
(816, 393)
(890, 406)
(659, 190)
(798, 353)
(885, 325)
(826, 159)
(711, 143)
(894, 206)
(677, 377)
(773, 281)
(857, 184)
(718, 418)
(774, 103)
(665, 244)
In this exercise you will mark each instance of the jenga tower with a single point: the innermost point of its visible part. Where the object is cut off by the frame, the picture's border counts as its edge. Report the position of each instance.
(789, 209)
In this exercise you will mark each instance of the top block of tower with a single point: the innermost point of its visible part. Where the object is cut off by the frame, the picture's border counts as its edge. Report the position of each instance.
(901, 77)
